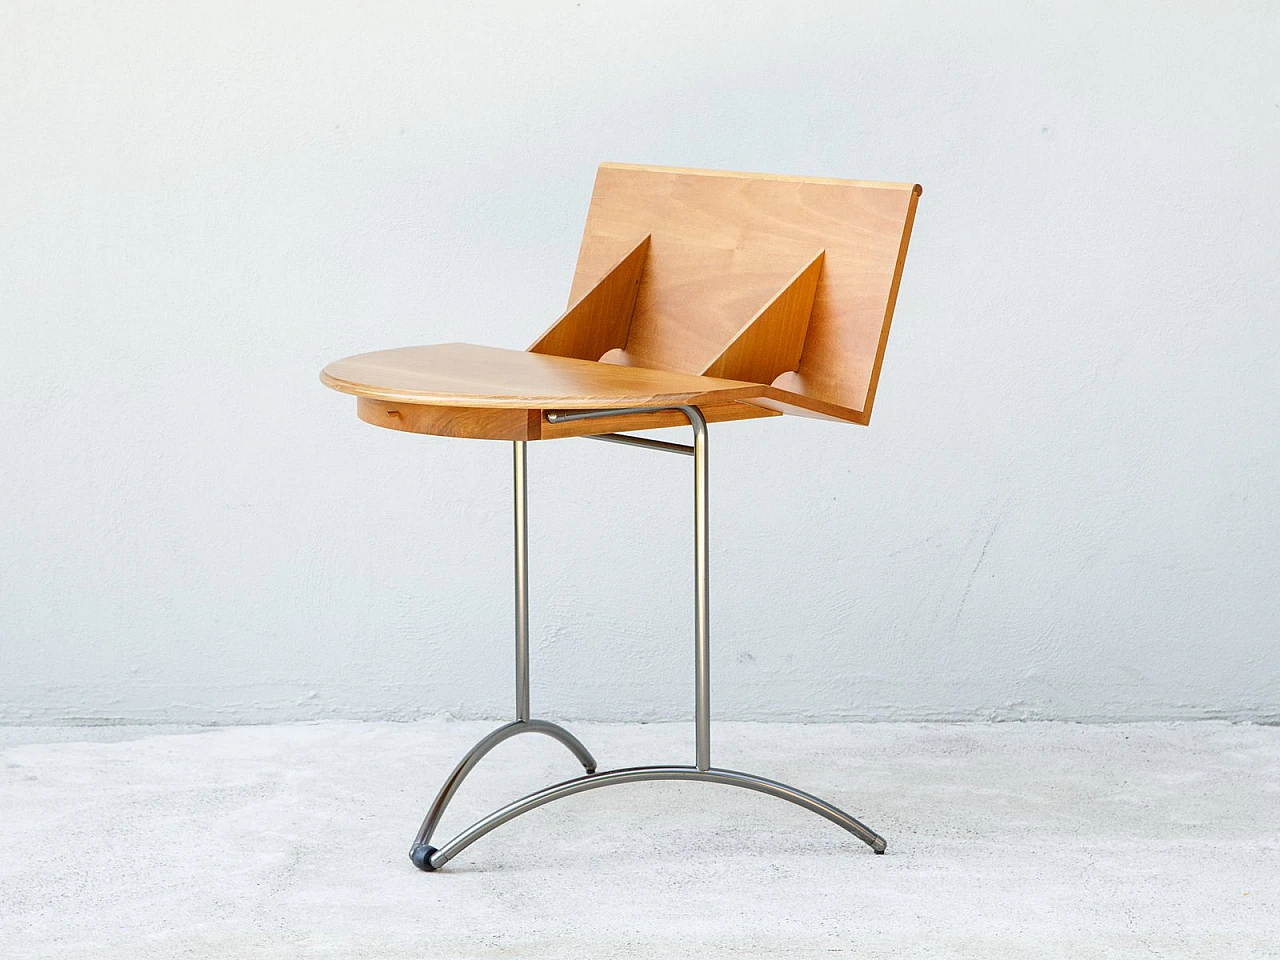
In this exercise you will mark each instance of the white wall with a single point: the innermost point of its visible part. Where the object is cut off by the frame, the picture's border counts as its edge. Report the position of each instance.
(1066, 505)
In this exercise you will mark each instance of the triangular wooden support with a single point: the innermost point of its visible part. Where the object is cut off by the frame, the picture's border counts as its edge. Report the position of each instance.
(601, 319)
(771, 342)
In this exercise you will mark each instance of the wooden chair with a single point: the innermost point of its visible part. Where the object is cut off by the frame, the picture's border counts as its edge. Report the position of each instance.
(699, 296)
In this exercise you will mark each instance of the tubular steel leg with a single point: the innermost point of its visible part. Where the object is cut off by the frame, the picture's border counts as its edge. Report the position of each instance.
(522, 578)
(427, 857)
(422, 850)
(702, 593)
(701, 558)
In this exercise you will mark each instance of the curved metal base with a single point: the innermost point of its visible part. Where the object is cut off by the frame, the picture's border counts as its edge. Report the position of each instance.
(426, 857)
(474, 755)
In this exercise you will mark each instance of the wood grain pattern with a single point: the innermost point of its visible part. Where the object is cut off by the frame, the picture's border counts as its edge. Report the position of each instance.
(502, 423)
(472, 423)
(722, 245)
(746, 295)
(600, 319)
(772, 341)
(464, 375)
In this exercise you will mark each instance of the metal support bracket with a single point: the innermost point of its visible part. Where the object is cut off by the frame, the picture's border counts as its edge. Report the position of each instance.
(427, 857)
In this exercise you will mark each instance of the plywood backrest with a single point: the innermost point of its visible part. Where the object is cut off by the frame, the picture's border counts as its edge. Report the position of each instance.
(725, 283)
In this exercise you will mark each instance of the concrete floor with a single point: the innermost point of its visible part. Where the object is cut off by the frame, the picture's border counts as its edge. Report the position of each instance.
(1005, 840)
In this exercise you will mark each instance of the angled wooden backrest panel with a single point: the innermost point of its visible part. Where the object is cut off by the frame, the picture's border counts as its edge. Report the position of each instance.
(723, 246)
(599, 319)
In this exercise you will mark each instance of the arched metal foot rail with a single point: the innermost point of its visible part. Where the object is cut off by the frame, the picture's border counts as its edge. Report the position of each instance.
(473, 756)
(427, 857)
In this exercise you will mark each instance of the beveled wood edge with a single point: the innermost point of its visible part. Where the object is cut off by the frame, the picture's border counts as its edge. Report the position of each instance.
(782, 177)
(600, 320)
(478, 423)
(799, 405)
(713, 394)
(889, 308)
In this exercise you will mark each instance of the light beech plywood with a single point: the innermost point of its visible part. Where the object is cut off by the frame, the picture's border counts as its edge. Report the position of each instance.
(772, 341)
(601, 318)
(723, 245)
(504, 423)
(465, 375)
(744, 295)
(471, 423)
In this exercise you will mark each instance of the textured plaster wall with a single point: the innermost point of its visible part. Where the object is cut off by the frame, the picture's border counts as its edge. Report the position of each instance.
(1066, 506)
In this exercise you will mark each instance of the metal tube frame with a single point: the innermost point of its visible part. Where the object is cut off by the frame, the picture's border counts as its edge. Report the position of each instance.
(427, 857)
(521, 512)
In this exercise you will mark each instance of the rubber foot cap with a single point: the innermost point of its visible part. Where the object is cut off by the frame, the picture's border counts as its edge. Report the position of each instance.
(421, 856)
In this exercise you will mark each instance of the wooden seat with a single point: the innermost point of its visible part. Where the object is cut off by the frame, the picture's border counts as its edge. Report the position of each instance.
(745, 295)
(462, 390)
